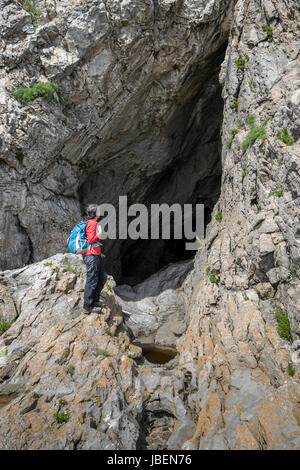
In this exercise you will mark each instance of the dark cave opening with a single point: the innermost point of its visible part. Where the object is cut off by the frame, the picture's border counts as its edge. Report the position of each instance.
(192, 175)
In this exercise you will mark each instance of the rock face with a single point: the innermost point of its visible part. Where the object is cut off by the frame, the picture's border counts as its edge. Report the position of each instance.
(138, 99)
(139, 81)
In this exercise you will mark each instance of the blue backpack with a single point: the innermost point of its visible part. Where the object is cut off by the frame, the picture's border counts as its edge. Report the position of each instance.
(77, 241)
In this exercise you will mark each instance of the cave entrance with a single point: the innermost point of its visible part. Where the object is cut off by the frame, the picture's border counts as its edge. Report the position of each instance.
(177, 161)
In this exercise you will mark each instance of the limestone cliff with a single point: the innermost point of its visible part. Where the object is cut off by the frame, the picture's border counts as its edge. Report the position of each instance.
(165, 100)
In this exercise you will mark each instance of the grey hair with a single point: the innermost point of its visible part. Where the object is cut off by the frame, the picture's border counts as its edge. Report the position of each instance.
(91, 210)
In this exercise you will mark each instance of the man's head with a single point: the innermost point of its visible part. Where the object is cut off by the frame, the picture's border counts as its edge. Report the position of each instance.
(92, 212)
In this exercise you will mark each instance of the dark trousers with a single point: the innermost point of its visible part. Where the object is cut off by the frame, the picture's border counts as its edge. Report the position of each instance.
(95, 279)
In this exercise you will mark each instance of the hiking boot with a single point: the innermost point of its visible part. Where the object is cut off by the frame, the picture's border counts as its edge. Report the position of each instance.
(98, 304)
(87, 310)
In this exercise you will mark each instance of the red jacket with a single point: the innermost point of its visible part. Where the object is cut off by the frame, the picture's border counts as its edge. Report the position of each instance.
(92, 237)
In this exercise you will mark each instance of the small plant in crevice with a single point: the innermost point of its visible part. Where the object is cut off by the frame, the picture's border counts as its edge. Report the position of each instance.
(49, 263)
(213, 279)
(254, 134)
(20, 157)
(291, 370)
(57, 271)
(244, 174)
(4, 352)
(294, 274)
(285, 137)
(234, 104)
(62, 402)
(71, 370)
(251, 87)
(102, 352)
(32, 9)
(240, 63)
(5, 325)
(61, 418)
(276, 193)
(269, 31)
(108, 332)
(44, 90)
(207, 271)
(245, 296)
(109, 287)
(219, 216)
(283, 324)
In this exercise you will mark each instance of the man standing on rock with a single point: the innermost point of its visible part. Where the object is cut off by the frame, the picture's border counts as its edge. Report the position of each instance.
(95, 274)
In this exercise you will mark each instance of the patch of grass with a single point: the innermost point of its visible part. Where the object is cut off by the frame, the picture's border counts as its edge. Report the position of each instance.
(294, 274)
(5, 325)
(276, 193)
(71, 370)
(234, 104)
(49, 263)
(20, 157)
(245, 296)
(234, 132)
(108, 332)
(240, 63)
(27, 391)
(102, 352)
(45, 90)
(219, 216)
(285, 137)
(254, 134)
(61, 418)
(4, 352)
(267, 29)
(68, 266)
(32, 9)
(247, 57)
(291, 370)
(213, 279)
(56, 270)
(283, 324)
(62, 402)
(228, 143)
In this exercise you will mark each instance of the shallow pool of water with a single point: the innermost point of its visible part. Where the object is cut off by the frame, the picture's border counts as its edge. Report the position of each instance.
(157, 354)
(6, 399)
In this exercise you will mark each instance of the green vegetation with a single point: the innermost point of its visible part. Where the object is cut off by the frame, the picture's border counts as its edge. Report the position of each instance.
(283, 324)
(251, 87)
(266, 121)
(45, 90)
(62, 402)
(269, 31)
(291, 370)
(276, 193)
(56, 270)
(130, 356)
(213, 279)
(207, 271)
(245, 296)
(234, 104)
(244, 174)
(68, 266)
(234, 132)
(20, 157)
(294, 274)
(3, 352)
(108, 287)
(32, 9)
(254, 134)
(5, 325)
(49, 263)
(285, 137)
(240, 63)
(71, 370)
(219, 216)
(108, 332)
(27, 391)
(101, 352)
(229, 142)
(21, 357)
(61, 418)
(240, 124)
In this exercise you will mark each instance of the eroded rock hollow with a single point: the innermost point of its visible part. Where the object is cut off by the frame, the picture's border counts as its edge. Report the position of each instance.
(163, 101)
